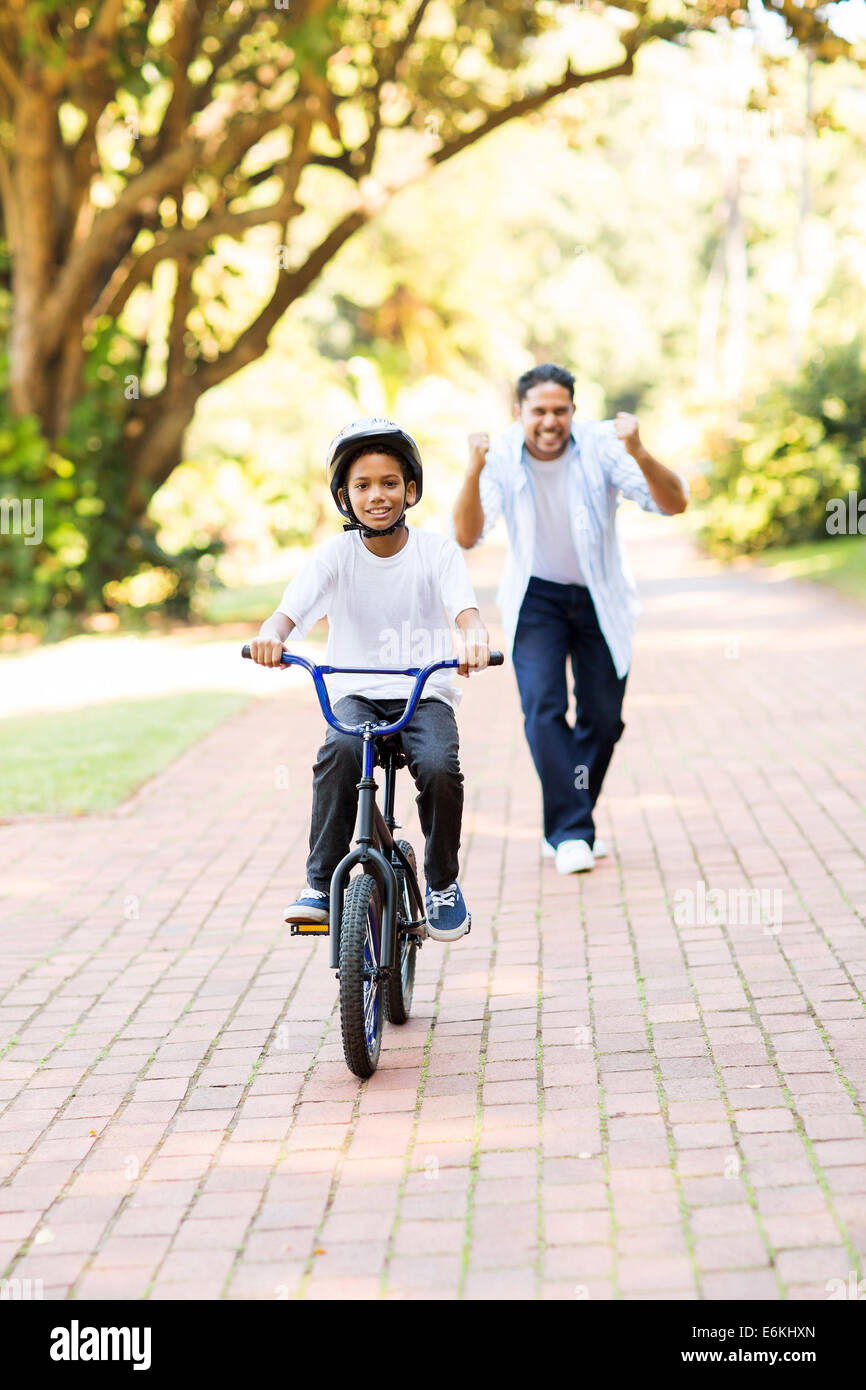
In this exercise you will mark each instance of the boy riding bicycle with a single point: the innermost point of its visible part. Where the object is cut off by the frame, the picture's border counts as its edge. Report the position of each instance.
(379, 583)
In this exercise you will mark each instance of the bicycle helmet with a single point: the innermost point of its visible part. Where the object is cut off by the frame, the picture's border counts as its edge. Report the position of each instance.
(370, 432)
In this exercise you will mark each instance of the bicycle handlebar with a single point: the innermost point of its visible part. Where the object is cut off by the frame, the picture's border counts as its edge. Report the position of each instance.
(421, 674)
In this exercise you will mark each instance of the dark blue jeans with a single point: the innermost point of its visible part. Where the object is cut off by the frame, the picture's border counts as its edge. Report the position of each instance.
(558, 623)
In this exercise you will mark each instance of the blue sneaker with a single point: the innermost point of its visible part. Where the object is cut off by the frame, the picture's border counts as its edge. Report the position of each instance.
(310, 908)
(447, 917)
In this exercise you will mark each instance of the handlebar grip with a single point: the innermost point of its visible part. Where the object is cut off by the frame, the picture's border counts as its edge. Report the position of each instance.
(245, 651)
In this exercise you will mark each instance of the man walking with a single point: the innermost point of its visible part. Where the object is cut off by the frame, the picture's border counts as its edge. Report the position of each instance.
(565, 594)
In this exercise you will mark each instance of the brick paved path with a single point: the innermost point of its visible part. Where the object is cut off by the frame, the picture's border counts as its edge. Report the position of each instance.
(607, 1090)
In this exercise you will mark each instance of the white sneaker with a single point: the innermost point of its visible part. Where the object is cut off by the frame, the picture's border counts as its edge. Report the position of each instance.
(574, 857)
(599, 849)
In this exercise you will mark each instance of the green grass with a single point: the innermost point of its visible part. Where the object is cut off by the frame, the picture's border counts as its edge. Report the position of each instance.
(840, 561)
(250, 603)
(71, 761)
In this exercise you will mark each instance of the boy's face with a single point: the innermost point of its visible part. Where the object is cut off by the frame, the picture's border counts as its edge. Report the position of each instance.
(374, 487)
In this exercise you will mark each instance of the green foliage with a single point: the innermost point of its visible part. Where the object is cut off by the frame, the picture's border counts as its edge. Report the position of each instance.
(802, 444)
(74, 550)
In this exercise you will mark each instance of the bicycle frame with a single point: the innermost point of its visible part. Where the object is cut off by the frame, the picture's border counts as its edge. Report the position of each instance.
(374, 827)
(368, 853)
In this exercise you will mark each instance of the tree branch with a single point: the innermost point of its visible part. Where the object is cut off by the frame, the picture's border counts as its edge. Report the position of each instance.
(175, 376)
(86, 256)
(246, 133)
(181, 50)
(178, 244)
(104, 31)
(9, 77)
(8, 203)
(385, 73)
(569, 83)
(83, 159)
(398, 49)
(246, 348)
(152, 183)
(254, 339)
(336, 161)
(87, 51)
(203, 91)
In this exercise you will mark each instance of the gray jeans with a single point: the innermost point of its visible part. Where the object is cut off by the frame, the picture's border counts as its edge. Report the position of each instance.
(431, 746)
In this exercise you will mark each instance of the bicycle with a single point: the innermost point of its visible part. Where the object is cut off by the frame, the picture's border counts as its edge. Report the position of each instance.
(377, 923)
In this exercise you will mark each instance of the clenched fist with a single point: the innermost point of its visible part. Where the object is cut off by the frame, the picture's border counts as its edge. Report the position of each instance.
(478, 446)
(626, 427)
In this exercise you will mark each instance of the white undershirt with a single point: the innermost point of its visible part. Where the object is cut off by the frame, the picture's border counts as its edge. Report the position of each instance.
(554, 557)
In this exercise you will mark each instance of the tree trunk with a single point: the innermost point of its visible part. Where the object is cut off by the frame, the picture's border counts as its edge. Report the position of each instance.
(708, 324)
(156, 454)
(736, 266)
(32, 183)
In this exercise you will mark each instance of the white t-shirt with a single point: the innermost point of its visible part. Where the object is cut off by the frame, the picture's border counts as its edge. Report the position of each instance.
(554, 557)
(383, 611)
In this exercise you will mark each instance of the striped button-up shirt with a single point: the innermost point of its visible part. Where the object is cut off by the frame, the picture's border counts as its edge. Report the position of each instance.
(600, 469)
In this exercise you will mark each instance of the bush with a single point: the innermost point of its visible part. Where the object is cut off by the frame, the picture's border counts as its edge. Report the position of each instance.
(85, 554)
(801, 444)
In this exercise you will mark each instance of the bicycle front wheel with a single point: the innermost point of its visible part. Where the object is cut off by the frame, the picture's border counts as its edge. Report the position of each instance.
(361, 993)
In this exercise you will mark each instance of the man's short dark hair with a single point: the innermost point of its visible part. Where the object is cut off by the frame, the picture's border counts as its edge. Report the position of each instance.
(546, 372)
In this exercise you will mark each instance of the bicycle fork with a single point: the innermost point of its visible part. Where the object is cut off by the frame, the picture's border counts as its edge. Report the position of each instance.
(367, 853)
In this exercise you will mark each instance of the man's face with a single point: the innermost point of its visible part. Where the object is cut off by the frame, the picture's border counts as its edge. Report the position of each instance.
(374, 486)
(546, 413)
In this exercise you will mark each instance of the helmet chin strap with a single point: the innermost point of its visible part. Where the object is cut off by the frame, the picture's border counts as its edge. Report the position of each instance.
(368, 531)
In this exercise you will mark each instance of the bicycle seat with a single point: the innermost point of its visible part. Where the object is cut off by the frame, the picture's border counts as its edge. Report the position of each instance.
(389, 751)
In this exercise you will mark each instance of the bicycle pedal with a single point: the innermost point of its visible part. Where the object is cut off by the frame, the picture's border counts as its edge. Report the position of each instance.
(309, 929)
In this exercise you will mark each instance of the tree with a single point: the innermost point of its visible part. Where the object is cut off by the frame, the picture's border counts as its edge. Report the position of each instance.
(136, 134)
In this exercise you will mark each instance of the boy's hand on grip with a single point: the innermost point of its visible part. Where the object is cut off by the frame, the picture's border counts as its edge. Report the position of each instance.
(473, 650)
(266, 651)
